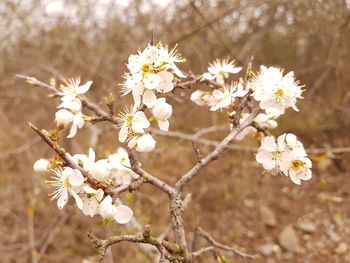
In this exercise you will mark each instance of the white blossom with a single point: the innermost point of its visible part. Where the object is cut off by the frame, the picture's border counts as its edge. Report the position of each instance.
(121, 213)
(220, 70)
(274, 91)
(63, 118)
(145, 143)
(42, 165)
(162, 111)
(271, 154)
(78, 123)
(72, 88)
(66, 181)
(90, 200)
(149, 70)
(132, 123)
(287, 156)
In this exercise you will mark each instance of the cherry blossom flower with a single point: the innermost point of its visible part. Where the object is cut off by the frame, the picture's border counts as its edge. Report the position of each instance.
(287, 156)
(220, 70)
(66, 181)
(132, 123)
(271, 153)
(162, 112)
(91, 199)
(149, 70)
(297, 168)
(72, 88)
(121, 213)
(274, 91)
(42, 165)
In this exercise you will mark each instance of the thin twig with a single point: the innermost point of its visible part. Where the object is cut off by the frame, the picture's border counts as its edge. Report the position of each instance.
(217, 244)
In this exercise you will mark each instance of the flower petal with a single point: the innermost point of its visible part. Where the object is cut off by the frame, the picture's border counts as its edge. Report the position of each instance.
(149, 98)
(63, 199)
(76, 178)
(123, 214)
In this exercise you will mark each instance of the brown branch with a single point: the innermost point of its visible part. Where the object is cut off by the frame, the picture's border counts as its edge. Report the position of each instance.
(202, 251)
(135, 166)
(164, 247)
(69, 161)
(215, 153)
(218, 245)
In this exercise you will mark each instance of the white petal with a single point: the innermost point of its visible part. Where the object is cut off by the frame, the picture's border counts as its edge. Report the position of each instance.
(269, 165)
(263, 156)
(163, 125)
(78, 200)
(72, 131)
(76, 178)
(145, 143)
(99, 194)
(294, 177)
(92, 155)
(123, 214)
(123, 133)
(177, 71)
(269, 143)
(149, 98)
(42, 165)
(151, 81)
(208, 76)
(63, 199)
(84, 88)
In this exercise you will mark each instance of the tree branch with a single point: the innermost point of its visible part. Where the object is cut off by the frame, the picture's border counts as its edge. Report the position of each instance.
(218, 245)
(164, 247)
(215, 153)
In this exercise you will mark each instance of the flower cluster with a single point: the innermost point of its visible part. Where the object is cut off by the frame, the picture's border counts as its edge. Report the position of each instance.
(151, 73)
(70, 108)
(113, 171)
(220, 98)
(286, 155)
(274, 92)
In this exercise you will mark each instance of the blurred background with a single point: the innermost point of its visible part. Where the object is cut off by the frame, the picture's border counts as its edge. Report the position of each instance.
(232, 199)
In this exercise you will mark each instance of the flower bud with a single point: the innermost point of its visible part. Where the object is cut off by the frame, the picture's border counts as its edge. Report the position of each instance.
(145, 143)
(63, 117)
(42, 165)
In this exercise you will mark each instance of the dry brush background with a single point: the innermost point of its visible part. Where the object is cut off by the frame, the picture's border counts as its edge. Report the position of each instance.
(232, 198)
